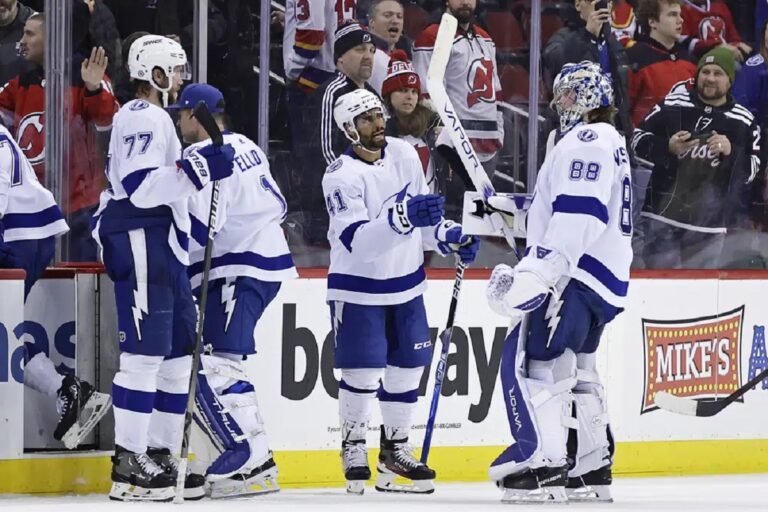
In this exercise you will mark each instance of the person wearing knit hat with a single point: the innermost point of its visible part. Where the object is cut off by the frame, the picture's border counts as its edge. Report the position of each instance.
(353, 52)
(720, 57)
(410, 120)
(714, 76)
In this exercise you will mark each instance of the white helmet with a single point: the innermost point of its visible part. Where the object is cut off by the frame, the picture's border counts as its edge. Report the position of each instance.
(591, 89)
(150, 52)
(351, 105)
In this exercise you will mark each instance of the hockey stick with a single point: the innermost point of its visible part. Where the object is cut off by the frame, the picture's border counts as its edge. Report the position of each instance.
(204, 117)
(691, 407)
(442, 103)
(445, 339)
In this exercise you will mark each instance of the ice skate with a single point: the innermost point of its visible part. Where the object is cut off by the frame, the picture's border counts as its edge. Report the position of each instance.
(354, 462)
(260, 480)
(592, 487)
(136, 477)
(80, 408)
(541, 485)
(194, 484)
(396, 460)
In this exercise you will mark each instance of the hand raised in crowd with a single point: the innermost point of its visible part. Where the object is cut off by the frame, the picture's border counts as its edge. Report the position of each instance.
(719, 144)
(597, 18)
(681, 142)
(277, 20)
(744, 48)
(92, 69)
(91, 5)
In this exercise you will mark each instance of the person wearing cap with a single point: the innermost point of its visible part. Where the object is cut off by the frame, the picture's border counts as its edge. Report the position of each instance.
(704, 148)
(353, 52)
(250, 260)
(410, 120)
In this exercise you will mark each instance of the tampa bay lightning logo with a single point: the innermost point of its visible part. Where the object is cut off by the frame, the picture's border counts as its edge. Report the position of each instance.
(139, 105)
(335, 166)
(587, 135)
(399, 197)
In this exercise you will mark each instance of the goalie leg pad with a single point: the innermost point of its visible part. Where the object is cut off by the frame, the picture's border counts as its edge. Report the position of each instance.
(537, 395)
(230, 416)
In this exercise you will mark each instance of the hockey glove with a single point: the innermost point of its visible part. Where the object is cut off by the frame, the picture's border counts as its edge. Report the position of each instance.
(512, 293)
(209, 163)
(452, 240)
(416, 212)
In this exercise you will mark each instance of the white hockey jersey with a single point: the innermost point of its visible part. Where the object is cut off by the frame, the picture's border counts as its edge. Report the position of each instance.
(308, 38)
(582, 208)
(145, 186)
(249, 240)
(27, 210)
(472, 83)
(371, 264)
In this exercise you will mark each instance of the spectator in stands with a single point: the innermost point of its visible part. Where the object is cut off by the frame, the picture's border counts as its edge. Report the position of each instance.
(708, 24)
(385, 21)
(751, 86)
(353, 51)
(705, 151)
(584, 38)
(624, 23)
(471, 80)
(102, 31)
(13, 15)
(410, 120)
(22, 104)
(657, 61)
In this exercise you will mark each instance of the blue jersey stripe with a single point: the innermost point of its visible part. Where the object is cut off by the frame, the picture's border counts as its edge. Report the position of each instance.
(32, 220)
(135, 179)
(596, 269)
(199, 231)
(250, 259)
(348, 234)
(581, 204)
(360, 284)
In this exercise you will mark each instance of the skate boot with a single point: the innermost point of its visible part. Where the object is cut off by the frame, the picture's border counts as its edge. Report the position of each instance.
(260, 480)
(396, 460)
(354, 462)
(136, 477)
(594, 486)
(80, 408)
(540, 485)
(194, 484)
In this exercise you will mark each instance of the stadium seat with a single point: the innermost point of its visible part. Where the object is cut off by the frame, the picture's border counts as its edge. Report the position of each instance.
(505, 31)
(415, 19)
(514, 83)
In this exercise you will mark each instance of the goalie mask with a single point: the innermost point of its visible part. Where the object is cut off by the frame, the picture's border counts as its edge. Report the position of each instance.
(352, 105)
(578, 89)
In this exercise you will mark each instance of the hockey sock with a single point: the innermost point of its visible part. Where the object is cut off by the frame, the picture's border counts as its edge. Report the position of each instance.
(41, 375)
(166, 426)
(357, 390)
(133, 397)
(397, 398)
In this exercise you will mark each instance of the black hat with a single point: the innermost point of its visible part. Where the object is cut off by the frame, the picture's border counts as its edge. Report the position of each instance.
(347, 37)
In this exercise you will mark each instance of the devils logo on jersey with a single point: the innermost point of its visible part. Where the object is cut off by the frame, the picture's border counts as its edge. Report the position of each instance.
(712, 27)
(480, 82)
(31, 138)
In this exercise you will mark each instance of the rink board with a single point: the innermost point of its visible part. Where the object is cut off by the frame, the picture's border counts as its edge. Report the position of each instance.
(699, 334)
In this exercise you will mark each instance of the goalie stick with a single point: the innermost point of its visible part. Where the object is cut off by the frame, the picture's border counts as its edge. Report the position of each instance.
(704, 408)
(204, 117)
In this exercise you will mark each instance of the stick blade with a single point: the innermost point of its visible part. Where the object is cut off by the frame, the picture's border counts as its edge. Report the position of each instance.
(676, 404)
(442, 49)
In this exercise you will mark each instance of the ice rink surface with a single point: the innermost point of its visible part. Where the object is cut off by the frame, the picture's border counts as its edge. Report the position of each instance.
(695, 494)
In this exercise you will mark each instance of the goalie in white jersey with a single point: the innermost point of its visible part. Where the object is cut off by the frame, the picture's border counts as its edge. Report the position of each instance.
(143, 228)
(30, 221)
(250, 260)
(382, 218)
(571, 282)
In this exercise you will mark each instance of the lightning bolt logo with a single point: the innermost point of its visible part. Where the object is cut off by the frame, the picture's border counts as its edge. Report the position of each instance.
(228, 300)
(554, 319)
(140, 296)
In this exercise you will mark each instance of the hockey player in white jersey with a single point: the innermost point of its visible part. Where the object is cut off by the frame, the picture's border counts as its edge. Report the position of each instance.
(30, 221)
(250, 260)
(571, 282)
(143, 227)
(382, 218)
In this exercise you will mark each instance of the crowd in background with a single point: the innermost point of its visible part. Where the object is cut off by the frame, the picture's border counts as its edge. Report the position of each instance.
(648, 47)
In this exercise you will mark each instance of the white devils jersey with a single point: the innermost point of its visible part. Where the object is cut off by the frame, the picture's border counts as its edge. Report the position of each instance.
(372, 264)
(145, 186)
(472, 83)
(27, 210)
(582, 208)
(308, 38)
(249, 240)
(427, 162)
